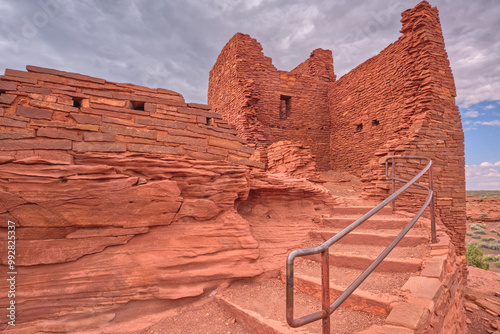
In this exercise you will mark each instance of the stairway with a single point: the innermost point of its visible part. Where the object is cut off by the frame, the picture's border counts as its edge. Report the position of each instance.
(259, 305)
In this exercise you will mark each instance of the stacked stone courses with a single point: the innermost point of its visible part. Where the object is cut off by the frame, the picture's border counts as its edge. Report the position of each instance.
(56, 113)
(400, 102)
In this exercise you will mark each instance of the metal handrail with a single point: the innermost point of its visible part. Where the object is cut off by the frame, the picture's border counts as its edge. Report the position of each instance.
(327, 308)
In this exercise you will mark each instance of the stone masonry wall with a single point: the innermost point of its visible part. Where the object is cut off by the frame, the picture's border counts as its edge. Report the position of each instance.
(402, 102)
(54, 113)
(266, 105)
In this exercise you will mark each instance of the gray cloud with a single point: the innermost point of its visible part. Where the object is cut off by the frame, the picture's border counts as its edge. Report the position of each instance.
(173, 44)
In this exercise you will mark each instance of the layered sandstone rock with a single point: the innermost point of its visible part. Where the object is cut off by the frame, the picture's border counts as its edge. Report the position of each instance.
(293, 159)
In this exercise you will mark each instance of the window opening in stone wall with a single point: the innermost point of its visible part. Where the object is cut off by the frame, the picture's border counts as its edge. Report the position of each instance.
(359, 127)
(210, 121)
(375, 122)
(285, 106)
(77, 102)
(137, 105)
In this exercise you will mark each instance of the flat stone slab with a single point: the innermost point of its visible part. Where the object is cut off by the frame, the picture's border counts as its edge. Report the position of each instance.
(423, 287)
(387, 330)
(433, 268)
(407, 315)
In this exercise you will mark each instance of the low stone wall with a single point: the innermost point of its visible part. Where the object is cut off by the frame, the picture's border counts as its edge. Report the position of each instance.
(434, 299)
(46, 112)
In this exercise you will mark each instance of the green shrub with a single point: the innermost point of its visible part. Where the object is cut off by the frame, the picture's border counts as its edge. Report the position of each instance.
(475, 258)
(469, 233)
(477, 226)
(475, 236)
(480, 232)
(493, 245)
(494, 231)
(489, 239)
(497, 264)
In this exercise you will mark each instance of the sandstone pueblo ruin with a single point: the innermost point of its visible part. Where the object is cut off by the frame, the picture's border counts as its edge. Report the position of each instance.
(131, 204)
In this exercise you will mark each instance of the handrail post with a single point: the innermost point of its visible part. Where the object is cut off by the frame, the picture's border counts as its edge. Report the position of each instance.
(393, 172)
(325, 283)
(433, 213)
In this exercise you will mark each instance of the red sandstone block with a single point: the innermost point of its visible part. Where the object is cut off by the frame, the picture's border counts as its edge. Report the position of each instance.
(182, 140)
(111, 120)
(118, 109)
(17, 134)
(204, 156)
(149, 107)
(138, 98)
(36, 90)
(35, 144)
(13, 123)
(224, 143)
(54, 86)
(2, 111)
(155, 149)
(160, 122)
(174, 132)
(53, 106)
(75, 76)
(7, 98)
(86, 127)
(218, 151)
(209, 132)
(6, 85)
(247, 155)
(99, 147)
(35, 76)
(199, 106)
(82, 97)
(106, 112)
(87, 119)
(215, 128)
(198, 112)
(224, 125)
(174, 116)
(97, 93)
(33, 112)
(59, 134)
(201, 119)
(93, 136)
(17, 79)
(128, 131)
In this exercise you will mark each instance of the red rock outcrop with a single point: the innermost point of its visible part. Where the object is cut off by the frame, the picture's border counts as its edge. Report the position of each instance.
(125, 196)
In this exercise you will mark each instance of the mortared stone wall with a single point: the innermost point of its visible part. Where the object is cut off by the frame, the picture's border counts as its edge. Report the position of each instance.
(266, 105)
(55, 113)
(400, 102)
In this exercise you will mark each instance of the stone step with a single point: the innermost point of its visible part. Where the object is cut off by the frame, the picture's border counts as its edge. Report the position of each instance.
(375, 237)
(360, 300)
(377, 294)
(260, 307)
(401, 259)
(360, 210)
(375, 222)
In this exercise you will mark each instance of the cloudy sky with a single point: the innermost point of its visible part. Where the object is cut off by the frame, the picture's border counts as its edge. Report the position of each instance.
(174, 43)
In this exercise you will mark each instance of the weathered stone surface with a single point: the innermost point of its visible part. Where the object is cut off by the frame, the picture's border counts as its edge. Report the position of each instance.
(33, 112)
(200, 209)
(407, 315)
